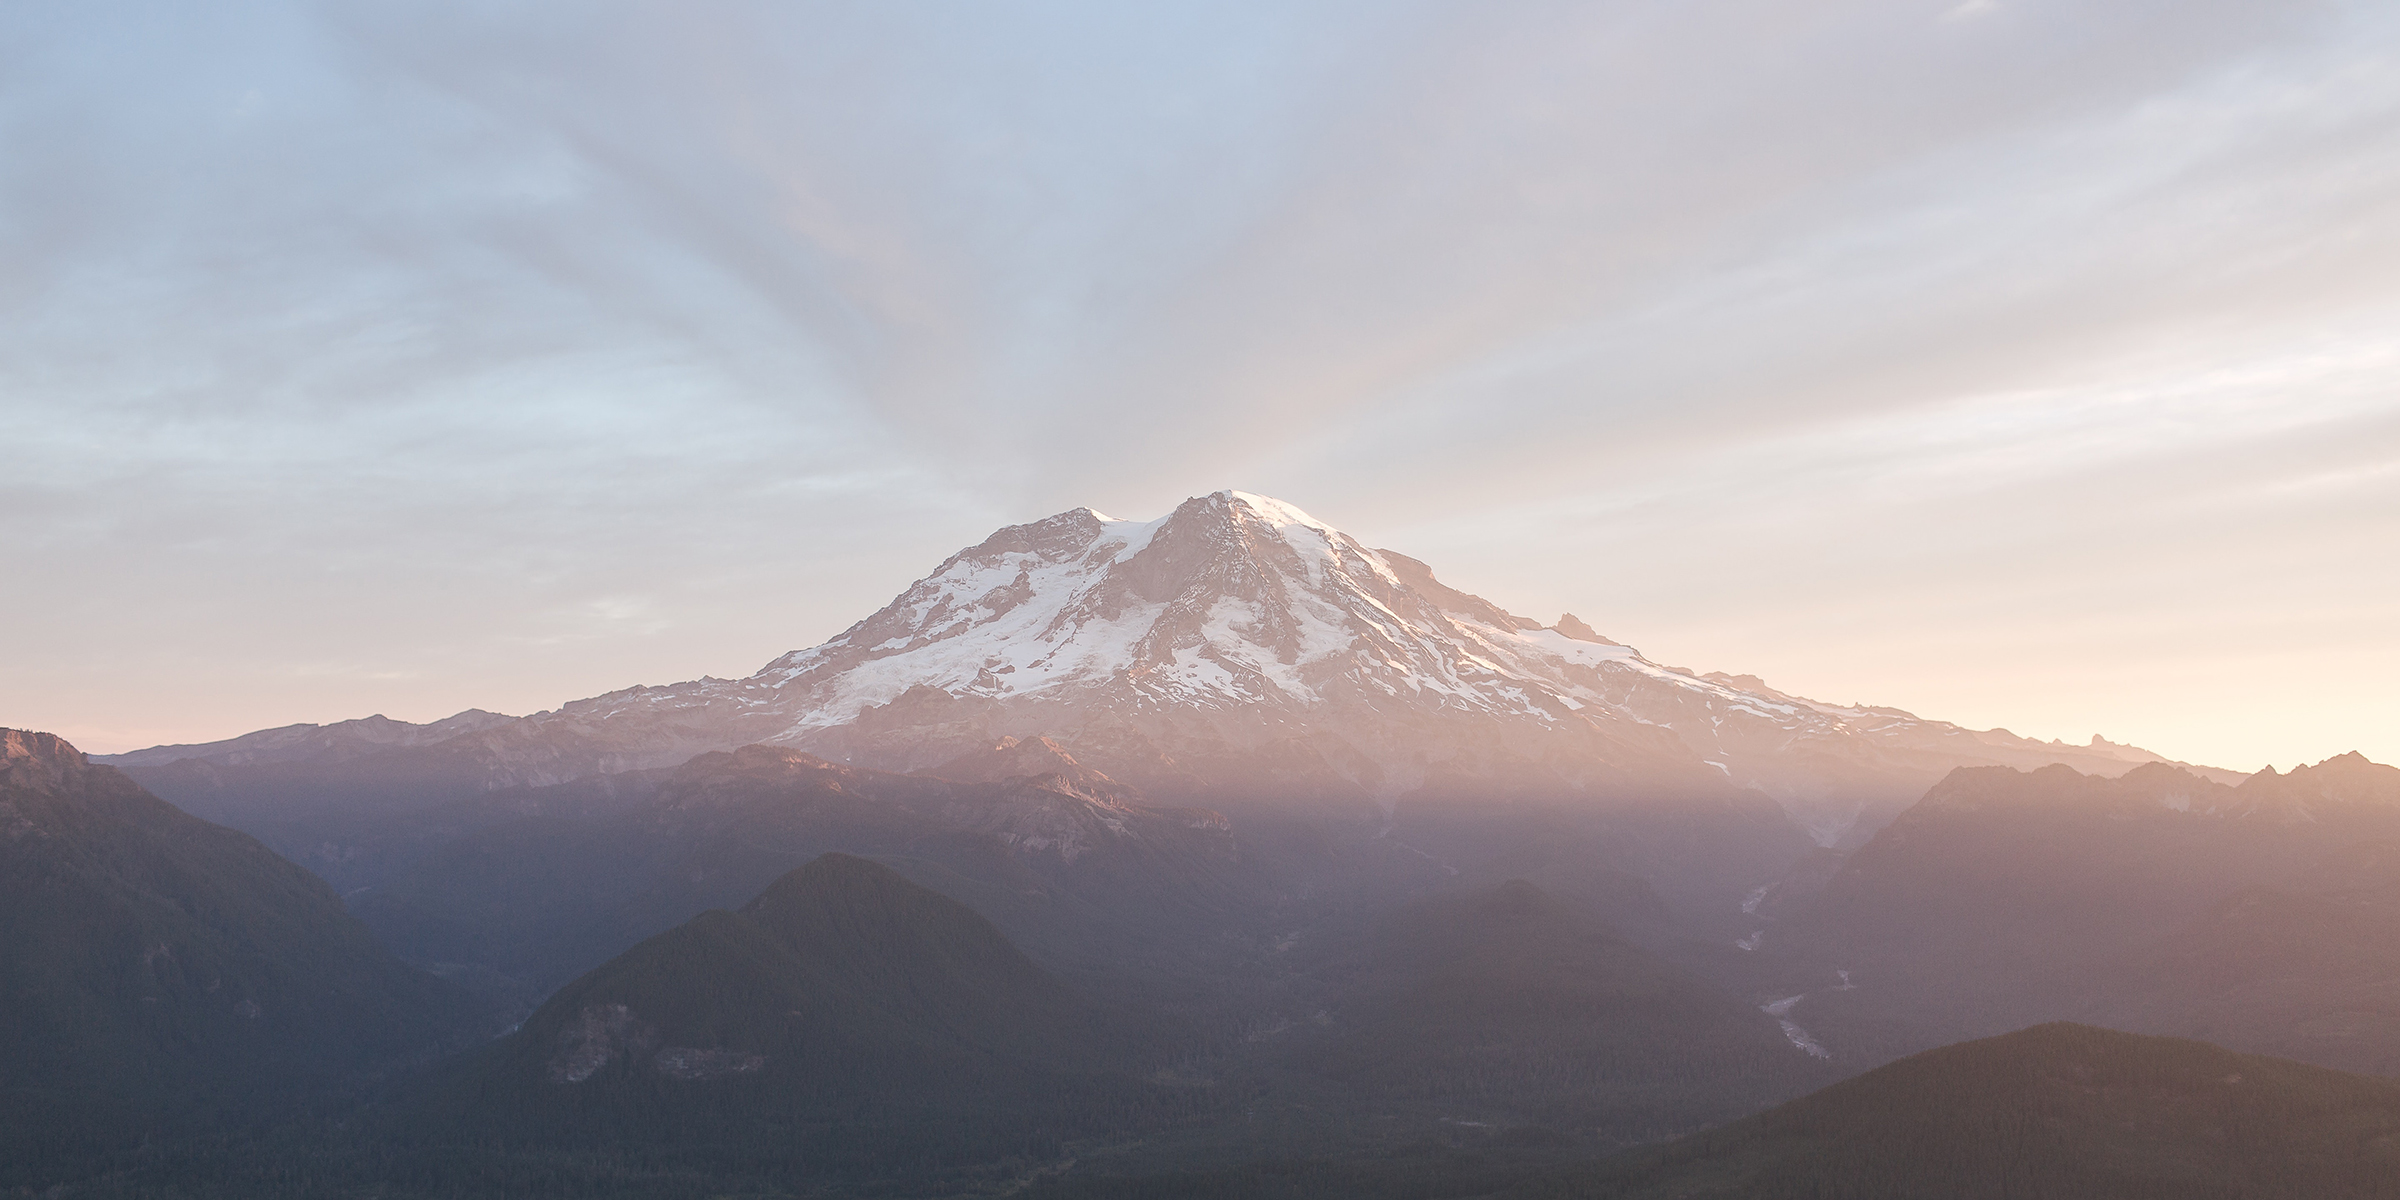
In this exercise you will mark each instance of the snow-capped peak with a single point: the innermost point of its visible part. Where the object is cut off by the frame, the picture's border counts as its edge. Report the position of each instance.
(1276, 512)
(1238, 642)
(1239, 621)
(1231, 597)
(1256, 621)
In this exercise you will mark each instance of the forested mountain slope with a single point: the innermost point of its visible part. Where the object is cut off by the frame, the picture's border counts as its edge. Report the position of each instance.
(158, 972)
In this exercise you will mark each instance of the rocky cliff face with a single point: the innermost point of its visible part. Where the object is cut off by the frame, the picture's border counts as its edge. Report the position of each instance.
(35, 768)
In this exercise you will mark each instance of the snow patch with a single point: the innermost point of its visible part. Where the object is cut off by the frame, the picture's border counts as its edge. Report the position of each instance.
(1798, 1037)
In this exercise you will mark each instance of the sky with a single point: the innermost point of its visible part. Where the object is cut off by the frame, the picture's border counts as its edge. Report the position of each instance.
(2021, 363)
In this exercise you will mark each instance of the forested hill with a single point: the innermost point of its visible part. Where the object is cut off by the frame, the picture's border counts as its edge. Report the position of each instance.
(2058, 1110)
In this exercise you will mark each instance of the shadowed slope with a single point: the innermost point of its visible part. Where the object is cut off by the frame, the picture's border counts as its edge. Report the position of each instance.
(155, 968)
(845, 1021)
(1076, 870)
(2057, 1111)
(2258, 916)
(1507, 1004)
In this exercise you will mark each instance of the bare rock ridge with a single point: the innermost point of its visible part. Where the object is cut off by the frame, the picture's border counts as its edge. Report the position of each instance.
(298, 742)
(1572, 626)
(46, 785)
(39, 762)
(1235, 649)
(1040, 761)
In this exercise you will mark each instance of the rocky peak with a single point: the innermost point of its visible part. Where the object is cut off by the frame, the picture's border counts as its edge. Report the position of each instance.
(1038, 759)
(2307, 792)
(1057, 538)
(747, 772)
(1008, 757)
(1229, 599)
(1572, 626)
(40, 762)
(2173, 787)
(49, 788)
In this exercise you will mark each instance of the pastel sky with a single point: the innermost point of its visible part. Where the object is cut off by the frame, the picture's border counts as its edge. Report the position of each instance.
(2024, 363)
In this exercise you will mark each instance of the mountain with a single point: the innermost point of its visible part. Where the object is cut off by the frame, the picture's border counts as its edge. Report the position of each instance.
(1358, 728)
(1068, 860)
(2261, 916)
(2056, 1110)
(316, 743)
(2312, 975)
(1507, 1006)
(838, 965)
(347, 767)
(157, 971)
(843, 1022)
(1234, 649)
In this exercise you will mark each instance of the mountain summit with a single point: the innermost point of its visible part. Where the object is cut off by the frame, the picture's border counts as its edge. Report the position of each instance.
(1234, 624)
(1235, 647)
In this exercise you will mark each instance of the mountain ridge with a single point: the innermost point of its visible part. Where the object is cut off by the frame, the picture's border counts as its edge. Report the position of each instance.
(158, 972)
(2257, 916)
(843, 1025)
(1235, 646)
(2054, 1110)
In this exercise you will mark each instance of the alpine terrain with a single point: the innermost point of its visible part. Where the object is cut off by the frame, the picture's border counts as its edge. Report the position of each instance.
(1236, 647)
(1216, 854)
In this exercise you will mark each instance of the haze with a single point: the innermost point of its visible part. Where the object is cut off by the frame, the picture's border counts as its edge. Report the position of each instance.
(2023, 364)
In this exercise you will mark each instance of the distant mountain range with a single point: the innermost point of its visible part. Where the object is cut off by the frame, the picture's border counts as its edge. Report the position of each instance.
(2264, 916)
(1206, 1011)
(1235, 648)
(1212, 855)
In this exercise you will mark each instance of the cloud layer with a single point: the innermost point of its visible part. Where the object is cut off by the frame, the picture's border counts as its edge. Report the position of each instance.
(2019, 362)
